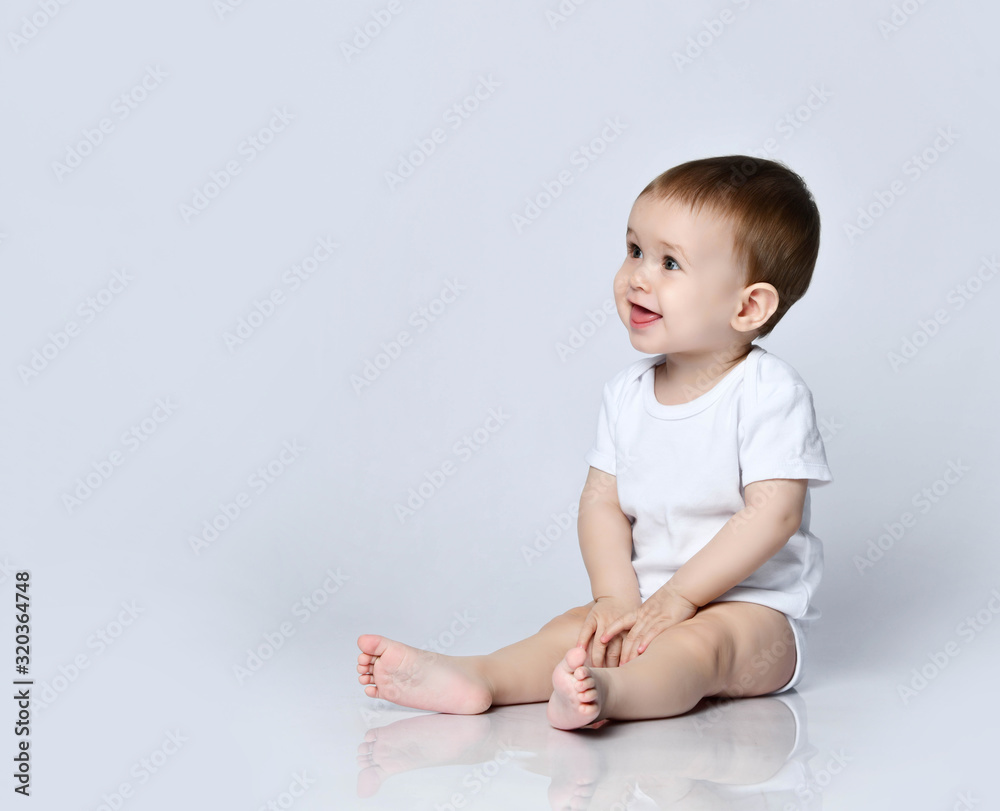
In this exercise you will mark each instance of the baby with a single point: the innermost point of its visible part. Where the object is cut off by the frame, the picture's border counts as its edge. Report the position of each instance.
(694, 518)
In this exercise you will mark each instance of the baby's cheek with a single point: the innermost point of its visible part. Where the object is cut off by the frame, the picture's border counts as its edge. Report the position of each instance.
(620, 283)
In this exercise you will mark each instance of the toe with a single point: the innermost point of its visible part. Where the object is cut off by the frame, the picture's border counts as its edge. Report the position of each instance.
(371, 644)
(575, 657)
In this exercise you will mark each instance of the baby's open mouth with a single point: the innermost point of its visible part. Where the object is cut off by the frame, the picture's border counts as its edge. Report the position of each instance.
(643, 316)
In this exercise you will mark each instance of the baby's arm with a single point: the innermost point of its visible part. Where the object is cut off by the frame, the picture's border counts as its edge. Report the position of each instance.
(606, 538)
(606, 545)
(772, 514)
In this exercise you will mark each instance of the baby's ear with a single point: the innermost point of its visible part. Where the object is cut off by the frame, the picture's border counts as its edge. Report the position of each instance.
(759, 302)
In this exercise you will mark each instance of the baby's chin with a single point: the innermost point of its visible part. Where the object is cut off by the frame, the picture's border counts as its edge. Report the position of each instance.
(644, 343)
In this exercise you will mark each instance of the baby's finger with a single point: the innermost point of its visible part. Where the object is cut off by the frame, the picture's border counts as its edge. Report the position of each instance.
(614, 652)
(630, 643)
(615, 628)
(597, 653)
(586, 632)
(643, 641)
(643, 644)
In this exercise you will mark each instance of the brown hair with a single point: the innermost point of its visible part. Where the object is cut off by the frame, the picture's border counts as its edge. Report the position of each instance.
(773, 214)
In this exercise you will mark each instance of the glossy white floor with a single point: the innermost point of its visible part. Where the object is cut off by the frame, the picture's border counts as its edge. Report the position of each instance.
(143, 727)
(841, 741)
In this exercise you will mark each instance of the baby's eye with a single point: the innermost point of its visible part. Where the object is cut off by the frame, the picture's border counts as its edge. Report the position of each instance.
(668, 261)
(633, 250)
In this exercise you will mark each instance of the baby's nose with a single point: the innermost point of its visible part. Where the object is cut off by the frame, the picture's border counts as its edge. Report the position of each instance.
(637, 278)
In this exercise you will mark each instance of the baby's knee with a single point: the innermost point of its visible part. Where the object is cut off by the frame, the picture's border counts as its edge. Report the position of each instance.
(578, 613)
(574, 616)
(707, 647)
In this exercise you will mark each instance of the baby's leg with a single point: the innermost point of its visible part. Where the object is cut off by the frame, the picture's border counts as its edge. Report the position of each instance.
(727, 649)
(517, 674)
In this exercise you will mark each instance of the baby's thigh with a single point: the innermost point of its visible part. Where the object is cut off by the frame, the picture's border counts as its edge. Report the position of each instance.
(566, 629)
(756, 647)
(569, 622)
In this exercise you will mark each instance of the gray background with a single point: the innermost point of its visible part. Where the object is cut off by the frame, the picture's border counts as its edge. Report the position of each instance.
(890, 431)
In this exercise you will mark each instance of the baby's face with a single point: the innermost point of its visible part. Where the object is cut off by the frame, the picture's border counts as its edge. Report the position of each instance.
(679, 286)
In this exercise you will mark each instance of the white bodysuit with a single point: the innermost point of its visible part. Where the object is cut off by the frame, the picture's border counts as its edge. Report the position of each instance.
(681, 472)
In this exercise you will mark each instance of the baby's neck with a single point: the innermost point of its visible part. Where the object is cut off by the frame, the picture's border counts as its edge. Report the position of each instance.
(683, 377)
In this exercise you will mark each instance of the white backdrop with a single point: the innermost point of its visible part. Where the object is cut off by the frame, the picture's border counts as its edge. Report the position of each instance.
(305, 330)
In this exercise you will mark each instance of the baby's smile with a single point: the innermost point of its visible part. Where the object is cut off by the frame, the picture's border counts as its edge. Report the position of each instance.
(641, 317)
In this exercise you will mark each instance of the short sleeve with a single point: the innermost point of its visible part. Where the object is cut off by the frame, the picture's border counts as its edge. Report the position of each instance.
(779, 438)
(602, 455)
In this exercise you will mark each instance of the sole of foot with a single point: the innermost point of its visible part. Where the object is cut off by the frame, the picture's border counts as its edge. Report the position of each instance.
(577, 696)
(420, 679)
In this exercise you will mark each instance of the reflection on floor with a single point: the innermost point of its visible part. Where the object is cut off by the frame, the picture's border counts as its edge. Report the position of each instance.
(738, 754)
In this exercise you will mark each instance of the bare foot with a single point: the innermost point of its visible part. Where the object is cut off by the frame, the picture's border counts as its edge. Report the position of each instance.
(578, 692)
(420, 679)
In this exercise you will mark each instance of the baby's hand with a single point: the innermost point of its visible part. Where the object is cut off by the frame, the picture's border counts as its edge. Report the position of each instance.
(662, 610)
(607, 647)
